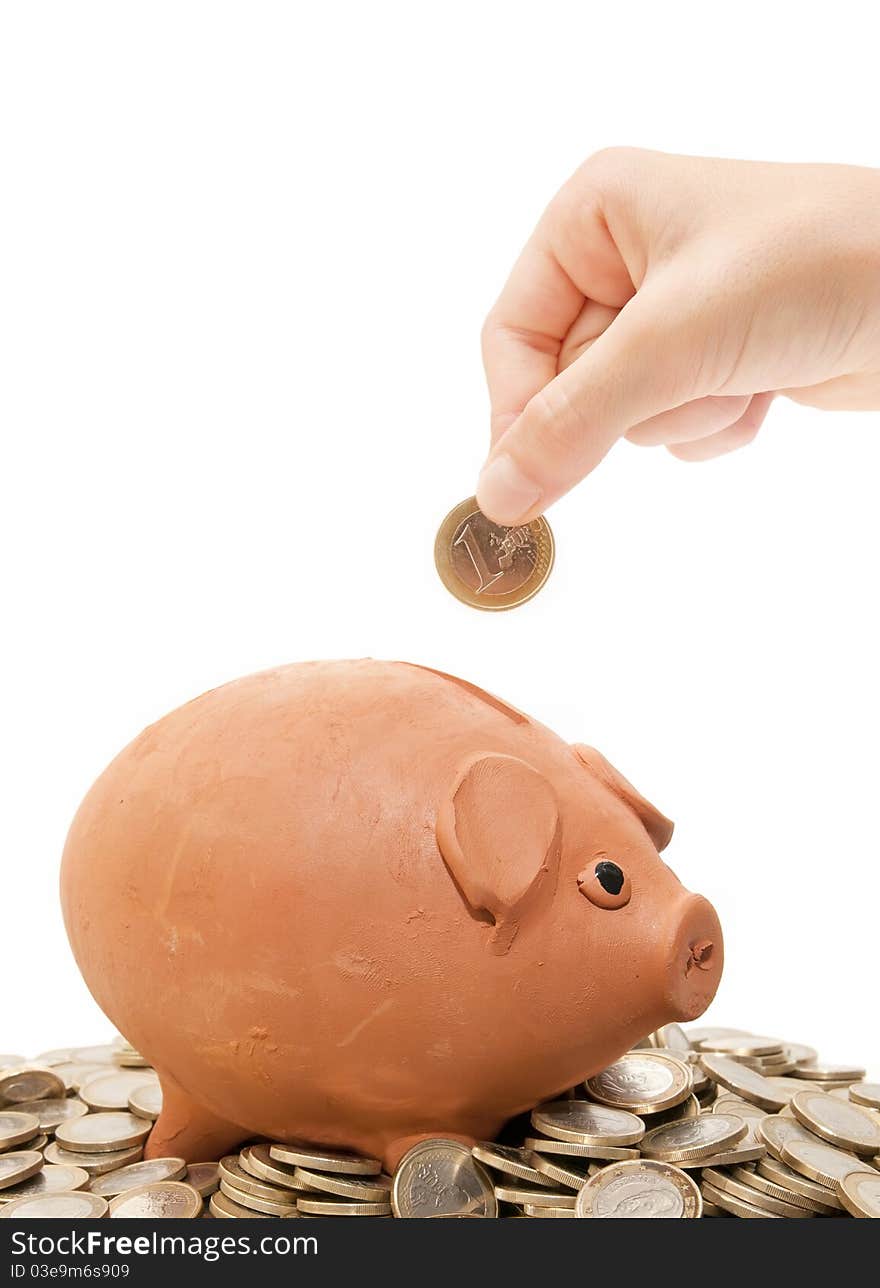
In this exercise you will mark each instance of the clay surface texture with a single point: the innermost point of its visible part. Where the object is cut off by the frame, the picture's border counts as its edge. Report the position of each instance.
(359, 904)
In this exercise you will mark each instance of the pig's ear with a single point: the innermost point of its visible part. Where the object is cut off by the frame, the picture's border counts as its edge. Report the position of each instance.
(498, 832)
(657, 825)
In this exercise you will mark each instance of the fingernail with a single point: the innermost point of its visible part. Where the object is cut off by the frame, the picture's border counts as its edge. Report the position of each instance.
(504, 493)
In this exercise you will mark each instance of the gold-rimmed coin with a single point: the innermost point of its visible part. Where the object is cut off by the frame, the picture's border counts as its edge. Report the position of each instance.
(440, 1177)
(17, 1128)
(520, 1194)
(732, 1204)
(234, 1174)
(341, 1207)
(221, 1205)
(697, 1035)
(744, 1082)
(758, 1181)
(146, 1101)
(672, 1037)
(556, 1174)
(801, 1053)
(644, 1082)
(138, 1175)
(366, 1189)
(742, 1046)
(258, 1161)
(775, 1131)
(726, 1158)
(511, 1161)
(52, 1111)
(158, 1201)
(585, 1123)
(279, 1206)
(820, 1162)
(488, 565)
(865, 1093)
(74, 1205)
(534, 1209)
(18, 1166)
(97, 1133)
(109, 1091)
(787, 1177)
(38, 1142)
(840, 1122)
(822, 1071)
(860, 1193)
(48, 1180)
(694, 1138)
(203, 1177)
(29, 1082)
(639, 1188)
(751, 1194)
(573, 1149)
(94, 1164)
(325, 1160)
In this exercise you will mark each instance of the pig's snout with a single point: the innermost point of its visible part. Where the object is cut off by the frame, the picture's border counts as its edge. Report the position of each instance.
(697, 959)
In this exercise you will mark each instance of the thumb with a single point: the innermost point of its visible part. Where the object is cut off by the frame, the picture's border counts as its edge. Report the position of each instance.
(643, 364)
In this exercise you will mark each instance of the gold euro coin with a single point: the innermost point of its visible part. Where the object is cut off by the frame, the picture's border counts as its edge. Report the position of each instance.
(733, 1204)
(694, 1138)
(97, 1133)
(533, 1209)
(440, 1178)
(860, 1193)
(511, 1161)
(110, 1090)
(644, 1082)
(51, 1112)
(789, 1179)
(490, 566)
(555, 1173)
(325, 1160)
(18, 1166)
(29, 1082)
(820, 1162)
(742, 1046)
(584, 1123)
(159, 1201)
(744, 1082)
(520, 1194)
(840, 1122)
(94, 1164)
(775, 1131)
(639, 1188)
(727, 1158)
(822, 1071)
(146, 1101)
(234, 1174)
(203, 1177)
(865, 1093)
(75, 1205)
(17, 1128)
(366, 1189)
(751, 1194)
(574, 1149)
(758, 1181)
(341, 1207)
(223, 1206)
(48, 1180)
(137, 1175)
(258, 1161)
(278, 1206)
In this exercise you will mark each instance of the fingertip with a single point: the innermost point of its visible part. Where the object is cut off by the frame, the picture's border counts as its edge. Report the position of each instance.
(504, 493)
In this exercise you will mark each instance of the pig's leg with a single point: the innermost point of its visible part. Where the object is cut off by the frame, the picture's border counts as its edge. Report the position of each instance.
(185, 1130)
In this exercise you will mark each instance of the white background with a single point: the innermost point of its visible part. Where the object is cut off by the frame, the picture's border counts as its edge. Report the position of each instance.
(246, 251)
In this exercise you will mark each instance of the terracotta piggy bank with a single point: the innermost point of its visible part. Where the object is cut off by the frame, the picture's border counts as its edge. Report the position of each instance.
(359, 903)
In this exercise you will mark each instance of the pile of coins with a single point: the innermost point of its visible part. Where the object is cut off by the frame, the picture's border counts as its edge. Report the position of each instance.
(712, 1122)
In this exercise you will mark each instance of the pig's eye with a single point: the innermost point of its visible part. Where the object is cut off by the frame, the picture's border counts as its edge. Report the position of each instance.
(605, 884)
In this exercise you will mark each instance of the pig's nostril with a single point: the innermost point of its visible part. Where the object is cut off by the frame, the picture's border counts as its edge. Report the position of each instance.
(701, 954)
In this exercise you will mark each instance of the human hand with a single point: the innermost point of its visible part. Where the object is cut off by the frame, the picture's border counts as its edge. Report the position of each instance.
(667, 299)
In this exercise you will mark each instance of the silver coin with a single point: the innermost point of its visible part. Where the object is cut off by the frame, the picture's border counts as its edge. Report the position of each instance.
(76, 1205)
(148, 1172)
(441, 1178)
(49, 1113)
